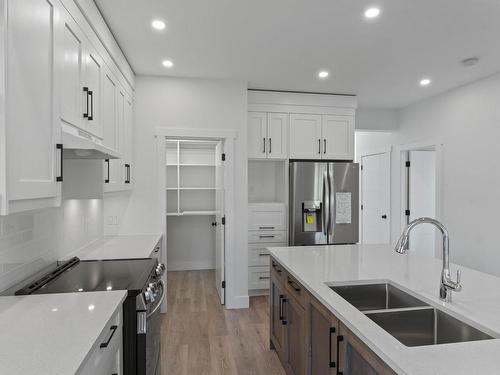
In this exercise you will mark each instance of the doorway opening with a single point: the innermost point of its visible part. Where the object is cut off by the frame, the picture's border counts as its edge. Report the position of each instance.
(195, 207)
(420, 194)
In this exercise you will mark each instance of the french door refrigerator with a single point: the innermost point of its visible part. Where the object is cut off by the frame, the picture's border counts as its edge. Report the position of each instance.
(324, 203)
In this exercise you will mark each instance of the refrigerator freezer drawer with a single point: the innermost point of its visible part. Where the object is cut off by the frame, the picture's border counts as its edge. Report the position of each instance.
(267, 236)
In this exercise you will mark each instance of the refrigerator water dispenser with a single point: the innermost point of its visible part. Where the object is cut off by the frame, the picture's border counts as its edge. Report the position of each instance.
(312, 218)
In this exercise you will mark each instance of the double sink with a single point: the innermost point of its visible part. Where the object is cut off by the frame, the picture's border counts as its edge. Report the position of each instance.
(410, 320)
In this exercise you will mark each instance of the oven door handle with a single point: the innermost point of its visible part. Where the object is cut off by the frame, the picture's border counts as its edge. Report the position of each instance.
(163, 294)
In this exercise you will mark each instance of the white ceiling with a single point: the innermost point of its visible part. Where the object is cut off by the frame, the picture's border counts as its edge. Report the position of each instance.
(282, 44)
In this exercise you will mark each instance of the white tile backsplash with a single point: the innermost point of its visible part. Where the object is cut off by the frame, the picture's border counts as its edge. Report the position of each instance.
(31, 241)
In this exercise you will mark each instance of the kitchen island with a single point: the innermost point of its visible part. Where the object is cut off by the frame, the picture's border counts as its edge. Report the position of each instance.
(306, 274)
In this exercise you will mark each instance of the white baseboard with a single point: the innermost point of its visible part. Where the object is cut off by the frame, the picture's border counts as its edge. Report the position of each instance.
(190, 266)
(238, 302)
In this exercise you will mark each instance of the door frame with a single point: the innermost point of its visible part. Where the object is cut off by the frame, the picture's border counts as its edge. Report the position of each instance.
(382, 150)
(228, 137)
(436, 145)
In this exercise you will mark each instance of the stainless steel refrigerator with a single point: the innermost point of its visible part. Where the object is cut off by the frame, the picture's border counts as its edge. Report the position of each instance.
(324, 203)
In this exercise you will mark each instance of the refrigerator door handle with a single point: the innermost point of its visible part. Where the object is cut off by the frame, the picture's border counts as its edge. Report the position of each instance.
(331, 202)
(326, 204)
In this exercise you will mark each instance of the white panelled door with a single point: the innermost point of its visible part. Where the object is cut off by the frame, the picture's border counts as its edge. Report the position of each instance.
(305, 136)
(422, 192)
(220, 276)
(376, 197)
(338, 137)
(93, 80)
(277, 126)
(257, 134)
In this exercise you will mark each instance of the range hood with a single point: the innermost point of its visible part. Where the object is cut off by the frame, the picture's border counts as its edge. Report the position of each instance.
(83, 146)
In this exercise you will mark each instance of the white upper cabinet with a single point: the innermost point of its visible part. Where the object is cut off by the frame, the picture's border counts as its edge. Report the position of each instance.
(93, 91)
(257, 135)
(267, 135)
(71, 55)
(28, 122)
(338, 137)
(305, 136)
(277, 131)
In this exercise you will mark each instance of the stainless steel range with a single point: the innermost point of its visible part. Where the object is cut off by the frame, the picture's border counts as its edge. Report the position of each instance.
(141, 309)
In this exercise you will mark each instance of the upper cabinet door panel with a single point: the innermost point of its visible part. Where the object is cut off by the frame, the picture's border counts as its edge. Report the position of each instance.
(257, 135)
(93, 81)
(277, 135)
(109, 121)
(338, 137)
(305, 136)
(70, 55)
(32, 126)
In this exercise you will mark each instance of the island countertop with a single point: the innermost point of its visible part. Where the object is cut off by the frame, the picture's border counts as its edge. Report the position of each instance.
(478, 304)
(52, 334)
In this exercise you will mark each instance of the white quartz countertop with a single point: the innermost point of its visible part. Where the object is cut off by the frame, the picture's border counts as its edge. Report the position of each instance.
(477, 304)
(120, 247)
(52, 334)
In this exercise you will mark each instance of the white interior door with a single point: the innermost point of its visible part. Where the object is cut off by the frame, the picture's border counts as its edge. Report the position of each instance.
(422, 193)
(220, 227)
(376, 198)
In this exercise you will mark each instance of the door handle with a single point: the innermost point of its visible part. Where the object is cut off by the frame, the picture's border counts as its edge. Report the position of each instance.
(59, 147)
(384, 216)
(324, 146)
(331, 361)
(106, 181)
(86, 91)
(270, 145)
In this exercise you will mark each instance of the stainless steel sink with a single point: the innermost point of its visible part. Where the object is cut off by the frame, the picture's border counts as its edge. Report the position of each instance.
(378, 296)
(427, 326)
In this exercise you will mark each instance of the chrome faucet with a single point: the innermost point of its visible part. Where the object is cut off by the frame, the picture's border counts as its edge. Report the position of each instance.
(447, 284)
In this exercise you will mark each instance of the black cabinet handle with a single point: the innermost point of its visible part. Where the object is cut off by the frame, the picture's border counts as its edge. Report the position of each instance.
(91, 115)
(266, 236)
(113, 330)
(266, 227)
(319, 146)
(106, 181)
(264, 143)
(281, 306)
(127, 173)
(331, 362)
(324, 144)
(270, 145)
(264, 255)
(283, 319)
(59, 147)
(264, 277)
(340, 338)
(86, 91)
(294, 285)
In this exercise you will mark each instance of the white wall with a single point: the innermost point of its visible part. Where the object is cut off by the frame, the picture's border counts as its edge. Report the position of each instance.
(366, 142)
(33, 240)
(185, 103)
(376, 119)
(467, 121)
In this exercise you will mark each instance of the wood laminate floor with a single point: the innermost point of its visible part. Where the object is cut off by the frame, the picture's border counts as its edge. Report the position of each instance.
(199, 336)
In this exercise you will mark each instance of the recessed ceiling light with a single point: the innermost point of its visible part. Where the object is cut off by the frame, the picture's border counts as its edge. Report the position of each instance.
(167, 63)
(109, 287)
(372, 12)
(91, 307)
(425, 82)
(158, 24)
(323, 74)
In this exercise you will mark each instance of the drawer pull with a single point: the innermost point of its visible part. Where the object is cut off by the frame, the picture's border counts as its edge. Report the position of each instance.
(264, 277)
(113, 330)
(266, 236)
(294, 285)
(266, 227)
(264, 255)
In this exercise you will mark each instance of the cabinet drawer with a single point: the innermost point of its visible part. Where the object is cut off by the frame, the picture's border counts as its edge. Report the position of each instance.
(258, 277)
(258, 255)
(262, 237)
(267, 217)
(107, 351)
(295, 289)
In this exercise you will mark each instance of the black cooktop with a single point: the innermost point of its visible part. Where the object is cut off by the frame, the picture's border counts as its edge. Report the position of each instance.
(97, 275)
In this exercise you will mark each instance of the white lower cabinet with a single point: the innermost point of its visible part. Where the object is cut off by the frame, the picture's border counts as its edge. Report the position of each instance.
(106, 355)
(266, 228)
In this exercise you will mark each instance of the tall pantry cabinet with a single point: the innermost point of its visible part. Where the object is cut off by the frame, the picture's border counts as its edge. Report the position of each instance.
(54, 80)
